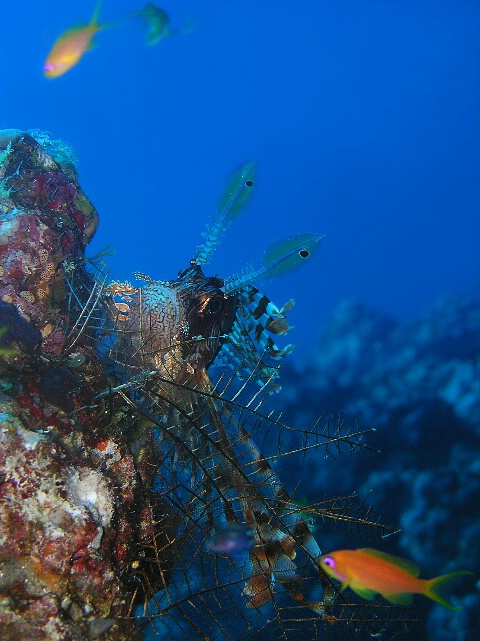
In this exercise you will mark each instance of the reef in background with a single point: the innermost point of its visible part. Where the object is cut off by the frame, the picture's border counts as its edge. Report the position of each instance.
(73, 505)
(418, 385)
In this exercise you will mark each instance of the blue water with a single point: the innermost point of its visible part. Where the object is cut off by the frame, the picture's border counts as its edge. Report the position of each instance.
(363, 117)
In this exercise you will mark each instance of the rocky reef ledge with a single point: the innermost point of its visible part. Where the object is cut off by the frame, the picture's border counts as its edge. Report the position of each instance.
(417, 383)
(74, 499)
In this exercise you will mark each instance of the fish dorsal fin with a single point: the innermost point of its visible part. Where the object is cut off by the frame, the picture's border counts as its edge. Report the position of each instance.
(289, 253)
(284, 256)
(233, 200)
(409, 566)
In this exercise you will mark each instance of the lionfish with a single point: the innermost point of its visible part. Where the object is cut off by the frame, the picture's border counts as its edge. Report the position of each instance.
(167, 334)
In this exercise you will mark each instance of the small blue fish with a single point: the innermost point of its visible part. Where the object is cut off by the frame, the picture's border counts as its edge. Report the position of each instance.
(234, 539)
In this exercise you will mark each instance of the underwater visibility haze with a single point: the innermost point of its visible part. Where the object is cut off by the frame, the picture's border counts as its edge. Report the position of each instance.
(357, 125)
(362, 116)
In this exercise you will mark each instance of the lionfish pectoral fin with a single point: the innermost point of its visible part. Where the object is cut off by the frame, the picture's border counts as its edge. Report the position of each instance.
(288, 545)
(284, 570)
(233, 200)
(258, 591)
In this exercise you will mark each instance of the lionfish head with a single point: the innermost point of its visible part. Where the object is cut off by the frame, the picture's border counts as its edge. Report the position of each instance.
(209, 313)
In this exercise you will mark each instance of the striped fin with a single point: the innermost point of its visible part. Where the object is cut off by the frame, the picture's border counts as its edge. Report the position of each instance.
(256, 319)
(256, 314)
(279, 546)
(296, 527)
(239, 353)
(261, 315)
(233, 200)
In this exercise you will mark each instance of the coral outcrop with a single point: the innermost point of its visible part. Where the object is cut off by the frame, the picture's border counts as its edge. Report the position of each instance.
(418, 384)
(72, 495)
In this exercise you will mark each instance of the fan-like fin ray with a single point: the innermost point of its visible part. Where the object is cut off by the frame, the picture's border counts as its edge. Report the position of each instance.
(284, 256)
(233, 200)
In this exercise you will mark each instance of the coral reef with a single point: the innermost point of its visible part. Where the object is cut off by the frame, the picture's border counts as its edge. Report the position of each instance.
(418, 384)
(70, 494)
(127, 436)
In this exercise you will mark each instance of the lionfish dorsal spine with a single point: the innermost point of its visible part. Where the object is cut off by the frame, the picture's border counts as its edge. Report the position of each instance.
(286, 255)
(235, 196)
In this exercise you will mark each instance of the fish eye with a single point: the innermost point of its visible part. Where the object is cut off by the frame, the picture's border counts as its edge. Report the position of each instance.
(214, 307)
(249, 183)
(211, 305)
(304, 253)
(329, 562)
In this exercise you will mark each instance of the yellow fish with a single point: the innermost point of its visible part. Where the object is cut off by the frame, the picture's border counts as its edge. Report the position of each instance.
(368, 572)
(71, 45)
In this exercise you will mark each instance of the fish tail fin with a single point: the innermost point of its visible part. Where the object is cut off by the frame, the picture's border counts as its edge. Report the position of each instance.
(96, 16)
(96, 12)
(435, 588)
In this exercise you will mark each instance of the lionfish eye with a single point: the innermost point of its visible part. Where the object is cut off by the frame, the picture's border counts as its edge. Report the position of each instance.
(210, 305)
(213, 306)
(329, 562)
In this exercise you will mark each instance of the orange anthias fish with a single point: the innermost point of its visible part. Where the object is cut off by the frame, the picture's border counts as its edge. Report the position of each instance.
(71, 45)
(368, 572)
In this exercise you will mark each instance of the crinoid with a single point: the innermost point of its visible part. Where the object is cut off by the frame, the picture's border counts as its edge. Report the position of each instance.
(193, 364)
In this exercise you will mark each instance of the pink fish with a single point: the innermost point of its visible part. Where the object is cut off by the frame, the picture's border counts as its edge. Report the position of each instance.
(368, 572)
